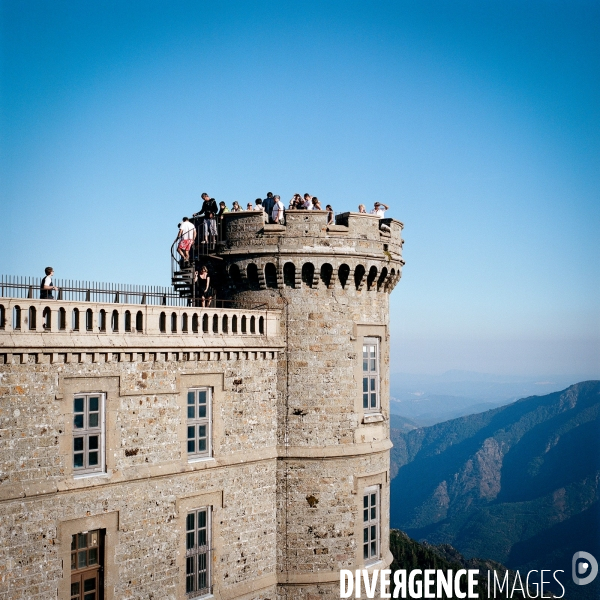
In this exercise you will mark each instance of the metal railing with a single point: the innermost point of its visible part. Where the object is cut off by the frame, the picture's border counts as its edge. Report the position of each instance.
(17, 286)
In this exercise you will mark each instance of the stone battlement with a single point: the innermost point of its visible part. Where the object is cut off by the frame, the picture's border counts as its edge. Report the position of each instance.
(307, 231)
(306, 251)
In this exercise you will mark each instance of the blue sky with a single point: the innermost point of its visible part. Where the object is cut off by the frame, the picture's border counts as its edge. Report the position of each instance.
(477, 122)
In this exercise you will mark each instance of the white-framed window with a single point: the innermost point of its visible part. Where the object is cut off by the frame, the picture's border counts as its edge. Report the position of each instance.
(371, 401)
(88, 433)
(371, 524)
(198, 552)
(199, 402)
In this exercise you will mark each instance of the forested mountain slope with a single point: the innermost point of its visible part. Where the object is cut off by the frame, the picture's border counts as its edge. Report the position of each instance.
(517, 484)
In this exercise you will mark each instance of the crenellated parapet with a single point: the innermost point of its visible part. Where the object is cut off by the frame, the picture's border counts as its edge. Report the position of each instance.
(359, 251)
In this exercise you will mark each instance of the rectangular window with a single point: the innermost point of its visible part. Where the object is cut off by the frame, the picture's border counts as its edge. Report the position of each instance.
(197, 552)
(88, 433)
(198, 422)
(371, 534)
(371, 374)
(86, 565)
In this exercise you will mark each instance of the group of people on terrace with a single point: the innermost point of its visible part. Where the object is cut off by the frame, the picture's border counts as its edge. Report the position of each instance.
(206, 224)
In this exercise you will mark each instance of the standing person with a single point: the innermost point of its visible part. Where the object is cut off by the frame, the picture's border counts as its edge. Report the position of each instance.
(208, 205)
(278, 214)
(202, 285)
(379, 210)
(330, 215)
(316, 205)
(222, 210)
(250, 206)
(186, 236)
(236, 207)
(268, 204)
(362, 209)
(307, 205)
(46, 286)
(209, 229)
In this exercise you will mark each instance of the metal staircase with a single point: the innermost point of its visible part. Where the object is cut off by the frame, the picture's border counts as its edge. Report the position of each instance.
(183, 281)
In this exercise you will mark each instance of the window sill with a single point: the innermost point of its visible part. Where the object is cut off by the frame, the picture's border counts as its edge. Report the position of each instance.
(373, 418)
(198, 460)
(88, 475)
(373, 563)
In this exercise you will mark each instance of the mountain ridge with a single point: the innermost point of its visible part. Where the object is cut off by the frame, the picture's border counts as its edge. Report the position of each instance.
(495, 483)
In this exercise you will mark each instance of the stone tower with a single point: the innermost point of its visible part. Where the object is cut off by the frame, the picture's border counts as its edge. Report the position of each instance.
(332, 284)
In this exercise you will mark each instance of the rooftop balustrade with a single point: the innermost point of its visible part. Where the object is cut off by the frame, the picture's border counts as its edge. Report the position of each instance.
(27, 316)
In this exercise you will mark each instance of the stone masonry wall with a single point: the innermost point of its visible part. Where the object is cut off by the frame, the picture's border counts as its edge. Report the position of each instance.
(149, 483)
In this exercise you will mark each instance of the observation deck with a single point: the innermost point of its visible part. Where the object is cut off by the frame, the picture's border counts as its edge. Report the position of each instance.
(253, 254)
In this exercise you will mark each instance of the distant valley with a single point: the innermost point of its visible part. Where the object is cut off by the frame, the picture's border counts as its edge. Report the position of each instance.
(518, 484)
(430, 399)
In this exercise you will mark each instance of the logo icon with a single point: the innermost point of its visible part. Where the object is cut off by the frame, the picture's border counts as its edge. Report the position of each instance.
(585, 568)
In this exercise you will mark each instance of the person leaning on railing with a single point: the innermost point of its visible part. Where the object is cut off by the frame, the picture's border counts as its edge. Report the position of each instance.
(209, 205)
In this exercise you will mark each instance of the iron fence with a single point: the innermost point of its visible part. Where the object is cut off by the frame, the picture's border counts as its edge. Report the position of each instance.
(17, 286)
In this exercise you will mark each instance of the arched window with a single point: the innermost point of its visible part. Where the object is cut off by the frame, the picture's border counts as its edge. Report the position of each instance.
(234, 324)
(114, 320)
(195, 323)
(62, 319)
(89, 319)
(75, 320)
(215, 324)
(289, 274)
(261, 325)
(162, 322)
(252, 274)
(244, 324)
(308, 274)
(127, 320)
(270, 275)
(32, 317)
(2, 317)
(173, 322)
(371, 277)
(252, 324)
(225, 324)
(382, 277)
(47, 319)
(17, 317)
(205, 323)
(235, 275)
(184, 323)
(343, 274)
(102, 320)
(359, 273)
(326, 273)
(139, 321)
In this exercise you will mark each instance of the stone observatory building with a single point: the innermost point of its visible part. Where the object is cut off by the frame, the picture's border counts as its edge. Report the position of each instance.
(153, 448)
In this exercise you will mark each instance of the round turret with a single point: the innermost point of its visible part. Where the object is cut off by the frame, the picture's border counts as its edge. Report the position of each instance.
(332, 284)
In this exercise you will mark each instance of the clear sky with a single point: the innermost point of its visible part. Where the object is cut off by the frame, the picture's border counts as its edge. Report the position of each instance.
(476, 122)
